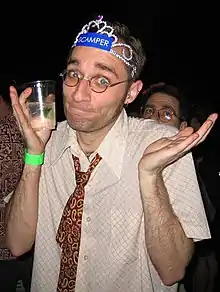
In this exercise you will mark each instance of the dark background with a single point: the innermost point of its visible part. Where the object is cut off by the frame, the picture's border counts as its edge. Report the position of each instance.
(180, 38)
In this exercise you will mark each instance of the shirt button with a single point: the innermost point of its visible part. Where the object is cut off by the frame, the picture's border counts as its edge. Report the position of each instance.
(88, 219)
(85, 257)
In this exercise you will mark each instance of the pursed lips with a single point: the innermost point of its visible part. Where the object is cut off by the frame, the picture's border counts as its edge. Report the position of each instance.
(80, 109)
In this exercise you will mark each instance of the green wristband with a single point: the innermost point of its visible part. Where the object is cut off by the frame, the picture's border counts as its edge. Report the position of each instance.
(33, 159)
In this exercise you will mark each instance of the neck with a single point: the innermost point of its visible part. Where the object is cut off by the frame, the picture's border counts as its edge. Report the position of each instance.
(89, 142)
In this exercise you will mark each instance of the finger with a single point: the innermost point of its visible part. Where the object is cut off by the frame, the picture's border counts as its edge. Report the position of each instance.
(13, 95)
(205, 129)
(50, 98)
(202, 134)
(183, 133)
(24, 95)
(181, 146)
(199, 136)
(207, 125)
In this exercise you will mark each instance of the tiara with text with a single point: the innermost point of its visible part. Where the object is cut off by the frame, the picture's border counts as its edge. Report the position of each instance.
(104, 38)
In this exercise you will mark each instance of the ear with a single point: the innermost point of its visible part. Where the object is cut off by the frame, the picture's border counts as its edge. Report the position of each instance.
(183, 125)
(134, 91)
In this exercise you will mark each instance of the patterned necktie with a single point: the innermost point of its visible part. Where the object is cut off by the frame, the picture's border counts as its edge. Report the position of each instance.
(69, 230)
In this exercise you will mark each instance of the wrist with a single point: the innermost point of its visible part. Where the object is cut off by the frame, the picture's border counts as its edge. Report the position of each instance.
(151, 175)
(31, 152)
(33, 159)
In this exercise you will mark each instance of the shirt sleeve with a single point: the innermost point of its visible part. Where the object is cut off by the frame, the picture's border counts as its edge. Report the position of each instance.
(185, 197)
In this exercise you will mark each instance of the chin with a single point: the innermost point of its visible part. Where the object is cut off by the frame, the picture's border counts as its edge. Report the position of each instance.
(80, 126)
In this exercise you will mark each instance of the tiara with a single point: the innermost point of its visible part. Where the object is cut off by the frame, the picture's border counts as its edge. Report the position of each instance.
(98, 34)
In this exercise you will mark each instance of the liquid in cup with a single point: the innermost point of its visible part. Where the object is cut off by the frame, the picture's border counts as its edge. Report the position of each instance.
(41, 105)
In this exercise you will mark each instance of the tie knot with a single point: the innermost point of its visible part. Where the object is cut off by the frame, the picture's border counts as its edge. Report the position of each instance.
(83, 177)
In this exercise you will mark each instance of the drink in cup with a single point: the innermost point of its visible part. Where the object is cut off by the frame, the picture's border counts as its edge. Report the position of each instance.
(41, 104)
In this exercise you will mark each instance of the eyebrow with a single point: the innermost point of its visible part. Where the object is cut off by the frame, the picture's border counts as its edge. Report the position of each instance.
(162, 107)
(106, 68)
(73, 62)
(98, 65)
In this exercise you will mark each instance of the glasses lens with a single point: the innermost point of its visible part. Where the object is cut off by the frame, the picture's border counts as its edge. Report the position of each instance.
(70, 78)
(148, 112)
(99, 84)
(165, 115)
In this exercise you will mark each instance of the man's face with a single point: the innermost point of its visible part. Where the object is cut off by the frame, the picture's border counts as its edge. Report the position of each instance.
(89, 111)
(165, 109)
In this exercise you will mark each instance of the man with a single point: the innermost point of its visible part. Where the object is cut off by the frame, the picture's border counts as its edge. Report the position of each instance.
(11, 164)
(167, 105)
(122, 224)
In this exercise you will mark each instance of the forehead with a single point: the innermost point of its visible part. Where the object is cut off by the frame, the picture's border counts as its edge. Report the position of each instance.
(88, 58)
(160, 99)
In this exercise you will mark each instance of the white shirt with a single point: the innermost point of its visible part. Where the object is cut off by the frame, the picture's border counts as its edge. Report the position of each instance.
(113, 255)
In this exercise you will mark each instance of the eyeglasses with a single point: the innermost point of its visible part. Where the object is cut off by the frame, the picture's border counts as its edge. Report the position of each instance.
(98, 84)
(164, 114)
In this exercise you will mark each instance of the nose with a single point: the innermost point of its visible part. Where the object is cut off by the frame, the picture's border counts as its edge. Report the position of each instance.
(82, 91)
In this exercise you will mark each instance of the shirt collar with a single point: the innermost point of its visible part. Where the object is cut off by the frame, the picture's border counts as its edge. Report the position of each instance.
(60, 141)
(112, 148)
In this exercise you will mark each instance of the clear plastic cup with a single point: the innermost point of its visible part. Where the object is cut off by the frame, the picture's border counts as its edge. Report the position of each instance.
(41, 104)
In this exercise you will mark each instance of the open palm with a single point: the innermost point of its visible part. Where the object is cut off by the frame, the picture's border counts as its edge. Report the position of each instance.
(164, 151)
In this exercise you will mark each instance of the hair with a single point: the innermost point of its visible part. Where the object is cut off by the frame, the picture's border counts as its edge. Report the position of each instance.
(170, 90)
(123, 34)
(139, 57)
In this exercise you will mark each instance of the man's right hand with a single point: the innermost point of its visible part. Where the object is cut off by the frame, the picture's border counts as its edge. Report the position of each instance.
(35, 140)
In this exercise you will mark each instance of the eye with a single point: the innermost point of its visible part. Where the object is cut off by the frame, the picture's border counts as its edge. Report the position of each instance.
(167, 114)
(72, 74)
(149, 111)
(102, 81)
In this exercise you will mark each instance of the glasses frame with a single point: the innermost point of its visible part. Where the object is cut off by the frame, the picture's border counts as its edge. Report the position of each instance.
(159, 115)
(62, 74)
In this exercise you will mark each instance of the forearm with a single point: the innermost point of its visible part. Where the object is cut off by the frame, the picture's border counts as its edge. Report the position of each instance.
(168, 247)
(22, 212)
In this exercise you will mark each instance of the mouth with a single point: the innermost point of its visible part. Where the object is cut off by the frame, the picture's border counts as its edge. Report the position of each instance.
(81, 108)
(80, 111)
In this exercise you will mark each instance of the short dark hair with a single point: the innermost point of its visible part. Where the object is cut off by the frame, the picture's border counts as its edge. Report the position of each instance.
(173, 91)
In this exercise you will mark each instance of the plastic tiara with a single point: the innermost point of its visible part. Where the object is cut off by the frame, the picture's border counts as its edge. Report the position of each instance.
(104, 39)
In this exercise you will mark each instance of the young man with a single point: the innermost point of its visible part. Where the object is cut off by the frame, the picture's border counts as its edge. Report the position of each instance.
(105, 210)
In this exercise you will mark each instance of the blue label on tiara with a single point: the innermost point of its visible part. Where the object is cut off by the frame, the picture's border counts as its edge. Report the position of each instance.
(95, 40)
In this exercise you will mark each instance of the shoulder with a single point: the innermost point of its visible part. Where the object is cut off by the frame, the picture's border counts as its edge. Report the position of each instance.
(58, 133)
(149, 130)
(57, 143)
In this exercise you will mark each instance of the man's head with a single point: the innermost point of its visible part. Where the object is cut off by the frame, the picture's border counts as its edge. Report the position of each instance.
(166, 104)
(102, 74)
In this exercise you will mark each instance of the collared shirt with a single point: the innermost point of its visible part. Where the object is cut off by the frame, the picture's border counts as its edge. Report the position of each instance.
(113, 254)
(11, 165)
